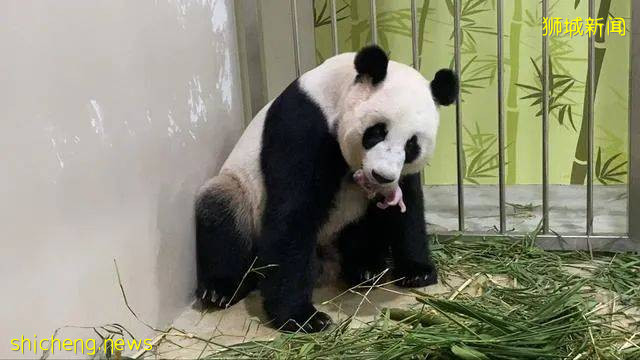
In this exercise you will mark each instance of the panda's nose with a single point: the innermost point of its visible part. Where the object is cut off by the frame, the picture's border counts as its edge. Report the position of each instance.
(381, 179)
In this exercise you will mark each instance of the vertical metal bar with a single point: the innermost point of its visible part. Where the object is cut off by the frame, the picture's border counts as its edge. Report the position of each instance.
(545, 124)
(633, 212)
(334, 27)
(591, 93)
(296, 37)
(373, 20)
(501, 173)
(459, 149)
(414, 35)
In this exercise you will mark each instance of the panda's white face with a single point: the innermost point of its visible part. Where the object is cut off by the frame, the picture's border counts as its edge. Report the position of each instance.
(384, 114)
(389, 129)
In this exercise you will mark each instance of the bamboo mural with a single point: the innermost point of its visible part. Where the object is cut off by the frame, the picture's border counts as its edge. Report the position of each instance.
(522, 90)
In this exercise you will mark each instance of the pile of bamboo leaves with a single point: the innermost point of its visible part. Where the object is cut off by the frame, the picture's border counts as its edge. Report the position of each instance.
(543, 310)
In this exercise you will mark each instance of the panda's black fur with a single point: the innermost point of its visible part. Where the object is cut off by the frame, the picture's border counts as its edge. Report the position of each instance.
(303, 168)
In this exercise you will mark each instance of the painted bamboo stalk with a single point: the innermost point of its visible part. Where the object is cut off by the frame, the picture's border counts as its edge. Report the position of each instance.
(579, 168)
(355, 27)
(421, 30)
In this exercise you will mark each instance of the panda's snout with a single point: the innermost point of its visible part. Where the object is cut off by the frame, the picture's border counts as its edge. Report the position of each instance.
(383, 164)
(382, 179)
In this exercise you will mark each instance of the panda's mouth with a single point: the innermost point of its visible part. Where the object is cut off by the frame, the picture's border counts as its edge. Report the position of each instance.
(391, 194)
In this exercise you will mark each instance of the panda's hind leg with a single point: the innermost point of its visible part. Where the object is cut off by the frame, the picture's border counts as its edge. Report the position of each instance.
(224, 247)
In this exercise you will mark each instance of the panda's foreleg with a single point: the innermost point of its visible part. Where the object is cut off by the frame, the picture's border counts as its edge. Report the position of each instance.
(286, 251)
(364, 248)
(408, 236)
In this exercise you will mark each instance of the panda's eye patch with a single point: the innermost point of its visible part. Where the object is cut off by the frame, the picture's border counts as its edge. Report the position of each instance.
(411, 150)
(373, 135)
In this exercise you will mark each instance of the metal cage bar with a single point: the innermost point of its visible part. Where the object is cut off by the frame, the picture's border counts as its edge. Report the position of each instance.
(590, 103)
(334, 27)
(501, 164)
(414, 35)
(373, 21)
(545, 124)
(633, 212)
(459, 149)
(296, 36)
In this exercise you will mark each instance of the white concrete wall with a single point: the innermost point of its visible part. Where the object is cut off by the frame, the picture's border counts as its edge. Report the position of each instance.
(113, 113)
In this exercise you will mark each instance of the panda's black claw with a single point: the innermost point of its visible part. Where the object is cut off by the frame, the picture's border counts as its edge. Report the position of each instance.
(220, 301)
(319, 321)
(211, 298)
(419, 276)
(221, 293)
(362, 276)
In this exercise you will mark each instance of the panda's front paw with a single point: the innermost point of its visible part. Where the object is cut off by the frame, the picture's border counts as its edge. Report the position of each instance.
(210, 297)
(222, 293)
(316, 322)
(363, 274)
(418, 275)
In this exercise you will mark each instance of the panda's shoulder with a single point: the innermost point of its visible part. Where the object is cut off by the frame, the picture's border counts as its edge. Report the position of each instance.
(303, 110)
(294, 109)
(296, 138)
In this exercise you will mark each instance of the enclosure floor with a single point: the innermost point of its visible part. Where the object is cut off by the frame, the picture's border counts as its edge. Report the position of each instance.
(567, 208)
(245, 320)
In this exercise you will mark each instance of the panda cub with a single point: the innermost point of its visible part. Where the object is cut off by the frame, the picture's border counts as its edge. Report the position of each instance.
(300, 181)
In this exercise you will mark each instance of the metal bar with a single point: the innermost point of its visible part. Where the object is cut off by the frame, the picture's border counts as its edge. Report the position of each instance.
(414, 35)
(373, 21)
(608, 243)
(334, 27)
(591, 94)
(545, 125)
(459, 149)
(296, 38)
(501, 173)
(633, 212)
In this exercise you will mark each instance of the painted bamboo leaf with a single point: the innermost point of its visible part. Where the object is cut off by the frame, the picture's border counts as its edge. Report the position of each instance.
(323, 16)
(609, 172)
(559, 86)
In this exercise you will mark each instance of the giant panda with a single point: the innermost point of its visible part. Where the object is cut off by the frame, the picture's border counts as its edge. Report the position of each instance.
(287, 191)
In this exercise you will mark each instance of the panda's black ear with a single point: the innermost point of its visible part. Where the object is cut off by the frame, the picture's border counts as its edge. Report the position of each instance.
(372, 62)
(444, 87)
